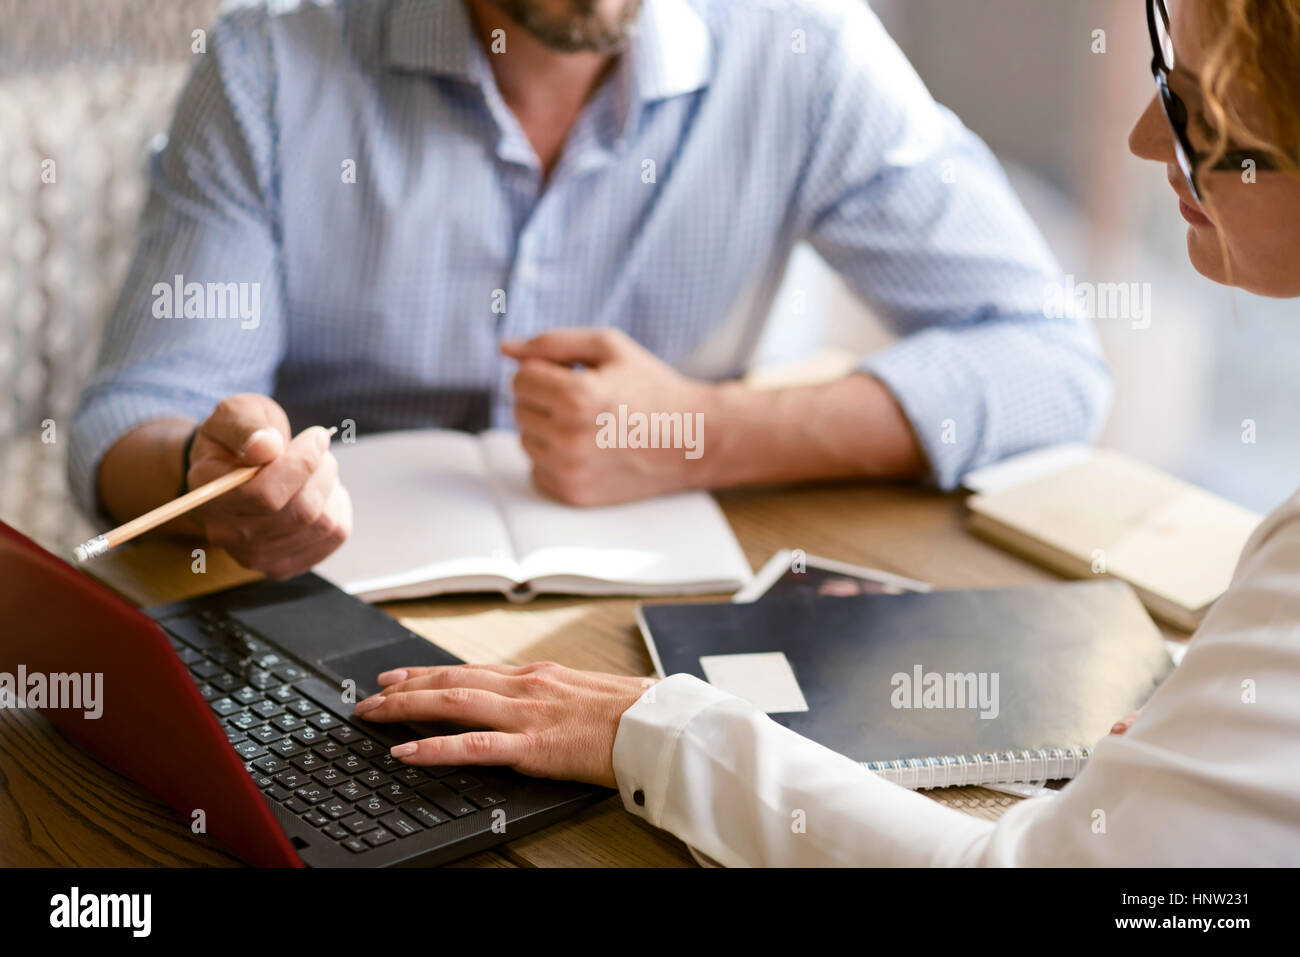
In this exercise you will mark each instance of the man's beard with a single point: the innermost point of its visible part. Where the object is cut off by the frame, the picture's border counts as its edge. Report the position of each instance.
(580, 30)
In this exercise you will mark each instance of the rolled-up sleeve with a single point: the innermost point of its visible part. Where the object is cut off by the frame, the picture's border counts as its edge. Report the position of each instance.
(209, 231)
(913, 210)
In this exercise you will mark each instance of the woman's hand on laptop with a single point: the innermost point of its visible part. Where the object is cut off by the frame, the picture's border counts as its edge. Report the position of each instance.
(541, 719)
(294, 512)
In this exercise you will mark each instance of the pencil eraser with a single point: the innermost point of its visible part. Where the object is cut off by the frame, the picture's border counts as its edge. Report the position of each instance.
(80, 554)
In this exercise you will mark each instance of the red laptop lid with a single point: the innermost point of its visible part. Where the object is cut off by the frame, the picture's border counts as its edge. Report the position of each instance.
(154, 726)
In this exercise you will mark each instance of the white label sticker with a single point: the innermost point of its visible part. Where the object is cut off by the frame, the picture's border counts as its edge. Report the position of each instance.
(764, 680)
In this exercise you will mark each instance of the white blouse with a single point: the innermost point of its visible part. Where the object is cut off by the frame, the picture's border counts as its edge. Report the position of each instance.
(1209, 774)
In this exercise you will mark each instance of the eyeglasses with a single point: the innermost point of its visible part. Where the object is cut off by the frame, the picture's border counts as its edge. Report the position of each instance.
(1190, 159)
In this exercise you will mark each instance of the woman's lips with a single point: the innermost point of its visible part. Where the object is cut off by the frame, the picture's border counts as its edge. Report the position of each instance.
(1192, 214)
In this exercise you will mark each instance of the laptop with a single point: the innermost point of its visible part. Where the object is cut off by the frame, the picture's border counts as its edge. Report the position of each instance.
(236, 709)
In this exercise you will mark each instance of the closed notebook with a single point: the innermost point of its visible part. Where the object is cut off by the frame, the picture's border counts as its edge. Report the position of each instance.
(947, 688)
(1105, 514)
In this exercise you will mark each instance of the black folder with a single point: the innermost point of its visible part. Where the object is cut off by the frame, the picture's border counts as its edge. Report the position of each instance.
(1069, 659)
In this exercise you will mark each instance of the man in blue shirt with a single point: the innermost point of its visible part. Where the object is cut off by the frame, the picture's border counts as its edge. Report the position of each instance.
(536, 213)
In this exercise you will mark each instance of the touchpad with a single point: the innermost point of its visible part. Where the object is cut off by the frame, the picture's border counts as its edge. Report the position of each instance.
(362, 667)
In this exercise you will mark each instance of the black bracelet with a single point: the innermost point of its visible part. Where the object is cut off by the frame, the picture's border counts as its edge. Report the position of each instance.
(185, 463)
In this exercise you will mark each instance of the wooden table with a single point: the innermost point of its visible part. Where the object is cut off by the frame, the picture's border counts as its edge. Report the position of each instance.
(60, 806)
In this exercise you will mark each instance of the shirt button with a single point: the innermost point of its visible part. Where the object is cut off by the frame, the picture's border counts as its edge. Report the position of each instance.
(638, 797)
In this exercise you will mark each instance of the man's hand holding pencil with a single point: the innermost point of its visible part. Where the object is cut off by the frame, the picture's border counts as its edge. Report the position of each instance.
(273, 501)
(291, 514)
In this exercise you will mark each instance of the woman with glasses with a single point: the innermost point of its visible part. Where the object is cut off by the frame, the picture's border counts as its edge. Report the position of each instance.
(1208, 773)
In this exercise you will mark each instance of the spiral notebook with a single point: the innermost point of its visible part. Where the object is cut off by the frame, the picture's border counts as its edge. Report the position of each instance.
(938, 689)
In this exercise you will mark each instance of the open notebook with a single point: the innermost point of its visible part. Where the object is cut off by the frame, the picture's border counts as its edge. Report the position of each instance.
(439, 511)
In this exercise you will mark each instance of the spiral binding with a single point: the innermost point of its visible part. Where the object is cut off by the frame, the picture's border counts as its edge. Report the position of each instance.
(1001, 767)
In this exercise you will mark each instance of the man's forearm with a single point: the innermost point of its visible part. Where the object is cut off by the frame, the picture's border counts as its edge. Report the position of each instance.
(142, 470)
(850, 428)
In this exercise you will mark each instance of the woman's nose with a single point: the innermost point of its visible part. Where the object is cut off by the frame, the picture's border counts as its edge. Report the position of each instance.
(1151, 138)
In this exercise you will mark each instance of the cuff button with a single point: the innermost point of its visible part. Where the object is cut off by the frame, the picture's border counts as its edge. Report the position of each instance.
(638, 797)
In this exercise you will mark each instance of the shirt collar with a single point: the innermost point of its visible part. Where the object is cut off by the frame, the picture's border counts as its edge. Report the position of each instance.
(670, 54)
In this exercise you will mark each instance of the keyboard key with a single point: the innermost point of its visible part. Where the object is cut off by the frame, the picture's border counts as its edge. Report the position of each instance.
(344, 734)
(330, 750)
(292, 779)
(351, 791)
(425, 812)
(265, 734)
(262, 780)
(400, 824)
(289, 673)
(225, 706)
(268, 661)
(411, 777)
(295, 805)
(313, 793)
(325, 721)
(234, 735)
(453, 804)
(209, 692)
(248, 750)
(244, 720)
(374, 805)
(373, 778)
(335, 808)
(227, 682)
(308, 736)
(247, 695)
(482, 797)
(278, 793)
(461, 781)
(396, 792)
(356, 845)
(386, 762)
(191, 632)
(266, 707)
(283, 694)
(375, 838)
(288, 722)
(309, 762)
(336, 830)
(315, 818)
(367, 748)
(206, 668)
(330, 776)
(287, 748)
(359, 824)
(436, 792)
(261, 679)
(351, 764)
(270, 764)
(188, 655)
(302, 707)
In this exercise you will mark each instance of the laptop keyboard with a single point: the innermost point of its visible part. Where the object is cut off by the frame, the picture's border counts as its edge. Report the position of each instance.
(299, 743)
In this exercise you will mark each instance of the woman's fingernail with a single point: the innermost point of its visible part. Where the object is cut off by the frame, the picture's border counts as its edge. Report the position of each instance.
(392, 677)
(369, 704)
(1118, 727)
(404, 750)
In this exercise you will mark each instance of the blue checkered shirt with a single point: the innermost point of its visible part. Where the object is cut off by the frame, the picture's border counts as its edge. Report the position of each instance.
(351, 169)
